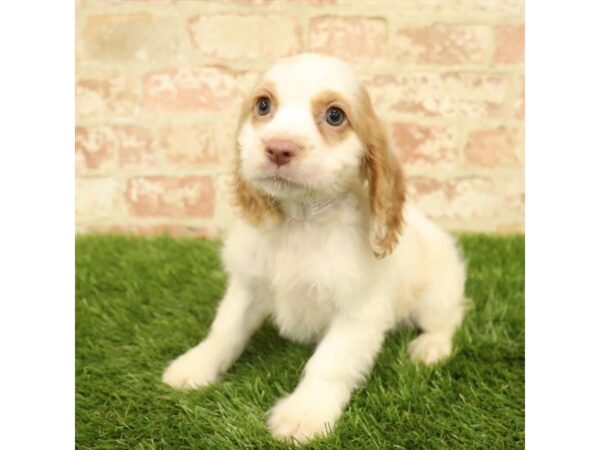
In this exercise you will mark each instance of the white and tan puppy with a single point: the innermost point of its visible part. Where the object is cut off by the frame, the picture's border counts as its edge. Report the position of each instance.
(326, 245)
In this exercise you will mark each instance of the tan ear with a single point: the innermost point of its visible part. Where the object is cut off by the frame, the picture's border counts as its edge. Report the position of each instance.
(385, 183)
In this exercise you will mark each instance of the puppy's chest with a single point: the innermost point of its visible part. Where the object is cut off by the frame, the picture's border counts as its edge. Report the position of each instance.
(311, 258)
(307, 272)
(301, 313)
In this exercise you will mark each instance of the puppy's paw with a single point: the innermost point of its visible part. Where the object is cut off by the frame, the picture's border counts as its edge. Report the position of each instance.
(191, 370)
(429, 348)
(301, 417)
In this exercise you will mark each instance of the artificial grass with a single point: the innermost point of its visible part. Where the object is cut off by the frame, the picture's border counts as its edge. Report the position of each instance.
(141, 302)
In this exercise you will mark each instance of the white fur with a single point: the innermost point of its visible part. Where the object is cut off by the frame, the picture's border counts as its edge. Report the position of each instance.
(316, 276)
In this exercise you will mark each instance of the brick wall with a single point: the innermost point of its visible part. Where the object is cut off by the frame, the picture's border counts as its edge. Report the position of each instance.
(159, 85)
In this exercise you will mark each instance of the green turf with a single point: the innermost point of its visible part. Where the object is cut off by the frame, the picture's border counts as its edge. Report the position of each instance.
(141, 302)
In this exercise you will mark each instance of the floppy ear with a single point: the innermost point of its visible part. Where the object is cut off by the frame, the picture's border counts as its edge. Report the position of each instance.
(385, 181)
(254, 206)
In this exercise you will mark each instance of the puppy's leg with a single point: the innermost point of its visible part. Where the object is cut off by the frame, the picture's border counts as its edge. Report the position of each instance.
(341, 362)
(438, 314)
(238, 317)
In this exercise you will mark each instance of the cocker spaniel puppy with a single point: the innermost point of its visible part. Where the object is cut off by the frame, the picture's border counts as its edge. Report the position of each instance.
(325, 245)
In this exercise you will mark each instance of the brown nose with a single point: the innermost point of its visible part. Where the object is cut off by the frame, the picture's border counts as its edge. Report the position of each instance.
(280, 151)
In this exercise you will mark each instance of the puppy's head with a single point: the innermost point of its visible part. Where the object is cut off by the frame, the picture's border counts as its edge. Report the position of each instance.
(308, 132)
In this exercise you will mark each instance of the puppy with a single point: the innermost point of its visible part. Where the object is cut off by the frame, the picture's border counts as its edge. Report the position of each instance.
(325, 245)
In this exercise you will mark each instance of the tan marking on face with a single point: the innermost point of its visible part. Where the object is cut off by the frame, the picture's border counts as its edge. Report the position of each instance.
(264, 89)
(254, 206)
(319, 106)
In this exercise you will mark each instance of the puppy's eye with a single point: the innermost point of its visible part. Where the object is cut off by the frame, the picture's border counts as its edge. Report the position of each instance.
(335, 116)
(263, 106)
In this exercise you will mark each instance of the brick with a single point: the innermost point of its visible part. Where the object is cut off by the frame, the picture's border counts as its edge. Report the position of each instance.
(425, 145)
(123, 38)
(106, 96)
(105, 147)
(233, 37)
(175, 197)
(443, 44)
(455, 11)
(494, 147)
(514, 196)
(465, 9)
(465, 198)
(172, 145)
(355, 39)
(137, 147)
(251, 2)
(192, 89)
(191, 145)
(94, 148)
(275, 2)
(510, 44)
(451, 95)
(123, 2)
(98, 198)
(520, 102)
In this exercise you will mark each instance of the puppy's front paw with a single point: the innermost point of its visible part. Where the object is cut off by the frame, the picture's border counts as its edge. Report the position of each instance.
(430, 348)
(191, 370)
(301, 417)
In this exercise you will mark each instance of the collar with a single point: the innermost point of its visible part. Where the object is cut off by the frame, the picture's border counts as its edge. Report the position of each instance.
(306, 211)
